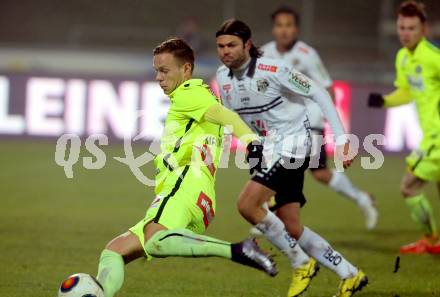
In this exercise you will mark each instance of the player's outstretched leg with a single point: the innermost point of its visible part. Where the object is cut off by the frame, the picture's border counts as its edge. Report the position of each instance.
(353, 279)
(341, 184)
(421, 213)
(110, 272)
(250, 206)
(118, 252)
(304, 267)
(185, 243)
(181, 243)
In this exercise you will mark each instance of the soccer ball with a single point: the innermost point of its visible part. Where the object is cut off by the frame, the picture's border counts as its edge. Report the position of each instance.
(80, 285)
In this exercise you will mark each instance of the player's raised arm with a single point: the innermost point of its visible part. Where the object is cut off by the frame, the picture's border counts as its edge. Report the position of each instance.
(299, 84)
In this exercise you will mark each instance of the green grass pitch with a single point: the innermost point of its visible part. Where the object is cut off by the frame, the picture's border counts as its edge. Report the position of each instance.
(52, 226)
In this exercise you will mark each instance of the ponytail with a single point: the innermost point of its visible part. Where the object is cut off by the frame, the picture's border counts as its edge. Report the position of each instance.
(255, 52)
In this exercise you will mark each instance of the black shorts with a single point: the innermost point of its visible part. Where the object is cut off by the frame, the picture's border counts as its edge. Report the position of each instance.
(287, 182)
(322, 161)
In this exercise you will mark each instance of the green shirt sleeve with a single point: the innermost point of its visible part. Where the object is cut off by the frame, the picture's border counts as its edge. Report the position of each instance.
(193, 102)
(400, 82)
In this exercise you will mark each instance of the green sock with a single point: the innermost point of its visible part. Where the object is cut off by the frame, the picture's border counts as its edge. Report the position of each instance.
(422, 214)
(111, 272)
(184, 243)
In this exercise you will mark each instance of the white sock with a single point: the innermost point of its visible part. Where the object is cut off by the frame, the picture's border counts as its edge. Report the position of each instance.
(320, 249)
(341, 184)
(275, 231)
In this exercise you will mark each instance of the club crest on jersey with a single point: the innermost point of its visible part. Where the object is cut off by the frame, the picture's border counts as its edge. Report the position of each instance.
(299, 81)
(262, 85)
(418, 69)
(270, 68)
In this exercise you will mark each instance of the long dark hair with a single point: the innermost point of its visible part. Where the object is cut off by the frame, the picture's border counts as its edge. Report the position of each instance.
(241, 30)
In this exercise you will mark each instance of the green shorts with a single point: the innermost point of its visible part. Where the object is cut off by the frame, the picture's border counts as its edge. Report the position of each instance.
(424, 162)
(186, 201)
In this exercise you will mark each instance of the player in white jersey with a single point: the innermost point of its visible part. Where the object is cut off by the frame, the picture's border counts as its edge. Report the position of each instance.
(286, 46)
(269, 96)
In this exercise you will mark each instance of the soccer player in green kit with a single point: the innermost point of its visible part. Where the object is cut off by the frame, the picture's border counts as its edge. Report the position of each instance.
(184, 206)
(418, 79)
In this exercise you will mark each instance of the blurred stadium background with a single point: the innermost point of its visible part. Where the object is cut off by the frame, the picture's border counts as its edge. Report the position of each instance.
(80, 67)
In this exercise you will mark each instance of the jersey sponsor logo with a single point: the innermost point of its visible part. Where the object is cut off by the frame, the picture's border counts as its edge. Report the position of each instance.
(304, 50)
(227, 88)
(245, 100)
(205, 204)
(299, 81)
(270, 68)
(332, 256)
(212, 140)
(416, 82)
(207, 158)
(260, 126)
(262, 85)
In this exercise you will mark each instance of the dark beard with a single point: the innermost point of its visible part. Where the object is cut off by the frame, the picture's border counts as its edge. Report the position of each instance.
(237, 63)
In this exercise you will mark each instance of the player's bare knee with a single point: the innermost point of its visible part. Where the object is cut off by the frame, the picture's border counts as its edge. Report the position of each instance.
(318, 176)
(293, 225)
(114, 246)
(295, 230)
(408, 189)
(404, 191)
(245, 208)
